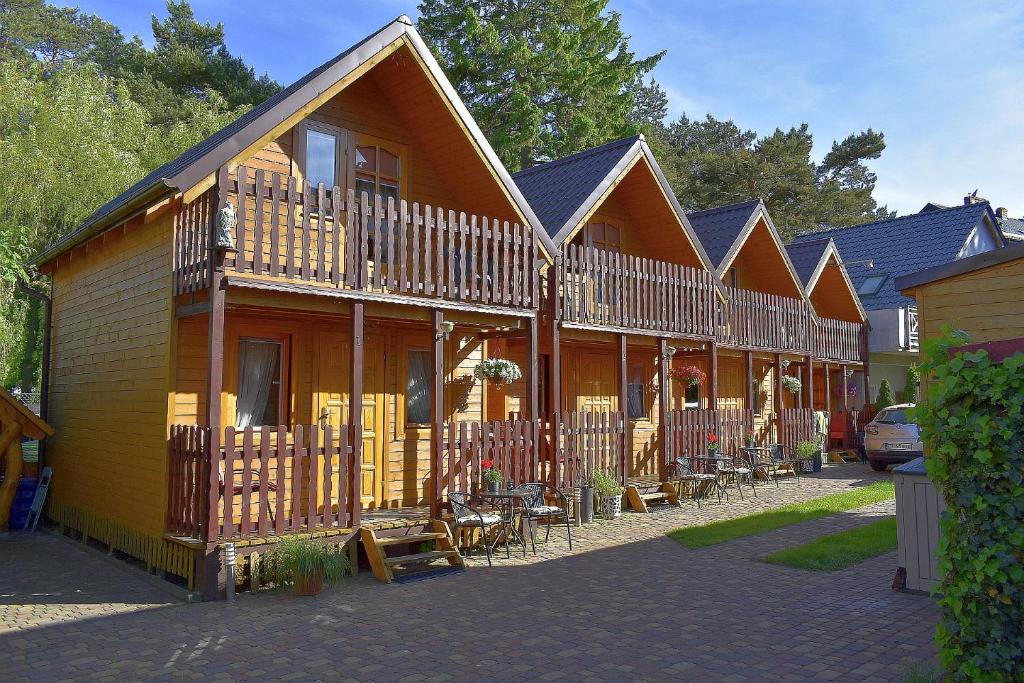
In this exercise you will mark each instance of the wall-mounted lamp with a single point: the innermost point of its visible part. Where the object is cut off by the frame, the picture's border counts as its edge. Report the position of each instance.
(444, 330)
(866, 262)
(670, 351)
(849, 373)
(785, 364)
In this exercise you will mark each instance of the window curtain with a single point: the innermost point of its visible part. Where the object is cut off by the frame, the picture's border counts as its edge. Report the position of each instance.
(257, 370)
(635, 399)
(417, 392)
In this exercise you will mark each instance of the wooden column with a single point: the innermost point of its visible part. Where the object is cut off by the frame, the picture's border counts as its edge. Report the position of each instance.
(846, 399)
(211, 577)
(778, 397)
(627, 446)
(828, 389)
(810, 383)
(437, 413)
(748, 378)
(713, 398)
(532, 408)
(355, 409)
(555, 380)
(664, 406)
(864, 358)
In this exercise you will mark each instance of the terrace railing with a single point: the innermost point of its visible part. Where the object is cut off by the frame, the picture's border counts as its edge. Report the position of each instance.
(759, 320)
(602, 288)
(287, 230)
(583, 442)
(688, 431)
(837, 340)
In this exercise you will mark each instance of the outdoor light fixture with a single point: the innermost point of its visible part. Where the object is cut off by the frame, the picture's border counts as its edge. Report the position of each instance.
(670, 351)
(785, 364)
(444, 330)
(866, 262)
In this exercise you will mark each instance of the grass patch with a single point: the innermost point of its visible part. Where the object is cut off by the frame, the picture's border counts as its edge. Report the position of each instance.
(727, 530)
(839, 551)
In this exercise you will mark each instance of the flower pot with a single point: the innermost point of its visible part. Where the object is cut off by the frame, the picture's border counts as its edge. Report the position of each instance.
(816, 463)
(309, 584)
(807, 465)
(586, 504)
(611, 506)
(492, 486)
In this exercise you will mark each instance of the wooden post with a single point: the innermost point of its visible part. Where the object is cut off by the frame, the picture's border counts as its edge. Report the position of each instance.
(437, 413)
(555, 381)
(355, 409)
(624, 402)
(664, 405)
(748, 378)
(211, 575)
(846, 400)
(713, 398)
(828, 390)
(865, 359)
(810, 383)
(532, 380)
(778, 397)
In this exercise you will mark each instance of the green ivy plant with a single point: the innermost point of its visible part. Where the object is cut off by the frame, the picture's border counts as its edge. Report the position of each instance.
(972, 423)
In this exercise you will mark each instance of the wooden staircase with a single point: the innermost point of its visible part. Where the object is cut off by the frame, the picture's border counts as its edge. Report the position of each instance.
(843, 456)
(640, 493)
(383, 565)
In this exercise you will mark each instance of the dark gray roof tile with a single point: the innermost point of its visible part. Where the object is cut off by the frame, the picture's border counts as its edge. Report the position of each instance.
(806, 256)
(718, 228)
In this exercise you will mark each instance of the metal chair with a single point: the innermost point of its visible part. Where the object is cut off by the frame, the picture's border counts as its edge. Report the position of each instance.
(760, 461)
(465, 515)
(535, 506)
(681, 470)
(781, 459)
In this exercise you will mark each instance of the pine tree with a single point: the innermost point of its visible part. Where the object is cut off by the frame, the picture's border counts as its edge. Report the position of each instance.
(885, 396)
(542, 79)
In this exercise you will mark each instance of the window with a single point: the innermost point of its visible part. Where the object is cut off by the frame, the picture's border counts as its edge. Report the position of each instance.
(636, 393)
(734, 278)
(417, 391)
(691, 400)
(322, 154)
(871, 285)
(259, 383)
(378, 171)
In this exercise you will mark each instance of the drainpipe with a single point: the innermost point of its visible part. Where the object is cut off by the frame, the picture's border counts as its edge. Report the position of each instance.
(44, 382)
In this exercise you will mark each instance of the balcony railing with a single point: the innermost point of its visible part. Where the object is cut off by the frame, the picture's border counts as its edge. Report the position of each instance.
(292, 231)
(763, 321)
(833, 339)
(602, 288)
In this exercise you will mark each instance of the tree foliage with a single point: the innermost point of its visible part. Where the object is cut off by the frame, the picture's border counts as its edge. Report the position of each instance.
(542, 79)
(716, 162)
(972, 423)
(885, 397)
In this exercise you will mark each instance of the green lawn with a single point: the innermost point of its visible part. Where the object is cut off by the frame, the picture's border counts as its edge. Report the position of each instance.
(727, 530)
(842, 550)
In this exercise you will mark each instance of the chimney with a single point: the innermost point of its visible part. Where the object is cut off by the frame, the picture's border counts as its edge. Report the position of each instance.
(973, 198)
(1002, 213)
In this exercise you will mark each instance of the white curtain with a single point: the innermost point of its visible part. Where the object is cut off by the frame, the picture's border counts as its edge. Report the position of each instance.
(257, 370)
(417, 392)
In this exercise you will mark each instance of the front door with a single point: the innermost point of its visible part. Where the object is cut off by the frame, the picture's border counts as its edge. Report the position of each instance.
(332, 404)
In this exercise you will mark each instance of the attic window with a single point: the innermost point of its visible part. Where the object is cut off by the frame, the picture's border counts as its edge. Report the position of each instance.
(871, 285)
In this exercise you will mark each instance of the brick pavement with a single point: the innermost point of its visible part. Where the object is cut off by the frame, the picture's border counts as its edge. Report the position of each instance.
(626, 604)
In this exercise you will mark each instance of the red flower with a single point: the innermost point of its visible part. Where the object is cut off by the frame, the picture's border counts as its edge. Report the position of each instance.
(712, 438)
(487, 464)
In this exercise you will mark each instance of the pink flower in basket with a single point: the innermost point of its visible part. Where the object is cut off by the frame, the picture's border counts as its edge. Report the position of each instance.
(690, 375)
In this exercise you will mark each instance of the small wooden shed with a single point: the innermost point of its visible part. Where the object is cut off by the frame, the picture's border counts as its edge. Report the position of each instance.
(16, 422)
(918, 507)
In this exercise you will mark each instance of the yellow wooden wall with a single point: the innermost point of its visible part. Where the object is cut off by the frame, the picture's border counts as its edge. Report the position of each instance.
(109, 377)
(985, 303)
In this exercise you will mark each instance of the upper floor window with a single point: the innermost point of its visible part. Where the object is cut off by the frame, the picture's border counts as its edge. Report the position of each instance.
(871, 285)
(322, 154)
(604, 236)
(260, 397)
(378, 171)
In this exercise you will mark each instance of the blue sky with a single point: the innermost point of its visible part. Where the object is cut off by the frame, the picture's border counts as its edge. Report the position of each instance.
(943, 80)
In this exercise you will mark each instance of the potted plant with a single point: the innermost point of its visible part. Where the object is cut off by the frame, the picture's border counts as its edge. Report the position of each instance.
(500, 371)
(749, 438)
(307, 565)
(689, 375)
(791, 384)
(809, 454)
(713, 444)
(610, 493)
(492, 477)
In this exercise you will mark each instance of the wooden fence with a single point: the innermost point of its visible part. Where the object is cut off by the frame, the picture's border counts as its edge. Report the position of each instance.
(512, 445)
(688, 431)
(192, 231)
(599, 287)
(794, 425)
(764, 321)
(582, 442)
(186, 480)
(291, 230)
(837, 340)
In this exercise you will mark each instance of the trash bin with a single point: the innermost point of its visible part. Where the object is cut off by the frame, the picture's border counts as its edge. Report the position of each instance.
(22, 503)
(918, 507)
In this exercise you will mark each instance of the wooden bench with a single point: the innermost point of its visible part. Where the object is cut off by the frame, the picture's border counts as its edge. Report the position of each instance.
(642, 492)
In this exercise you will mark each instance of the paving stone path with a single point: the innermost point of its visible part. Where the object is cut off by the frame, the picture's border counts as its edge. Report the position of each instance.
(626, 604)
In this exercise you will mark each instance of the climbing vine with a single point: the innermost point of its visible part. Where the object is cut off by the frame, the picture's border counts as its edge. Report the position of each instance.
(973, 425)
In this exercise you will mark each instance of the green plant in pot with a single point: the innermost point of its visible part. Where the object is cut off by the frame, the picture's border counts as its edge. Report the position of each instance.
(492, 477)
(307, 565)
(809, 454)
(610, 493)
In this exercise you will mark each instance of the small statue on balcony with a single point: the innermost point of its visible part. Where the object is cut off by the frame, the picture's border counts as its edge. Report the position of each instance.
(226, 220)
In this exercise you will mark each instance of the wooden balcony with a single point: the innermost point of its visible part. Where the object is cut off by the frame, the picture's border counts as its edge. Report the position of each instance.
(838, 340)
(292, 233)
(756, 320)
(603, 289)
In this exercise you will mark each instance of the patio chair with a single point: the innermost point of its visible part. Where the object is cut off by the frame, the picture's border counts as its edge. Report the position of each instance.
(535, 506)
(681, 470)
(465, 515)
(735, 471)
(761, 464)
(782, 459)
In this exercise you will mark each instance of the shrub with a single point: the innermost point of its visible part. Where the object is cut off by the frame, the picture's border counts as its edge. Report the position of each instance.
(806, 450)
(885, 396)
(911, 393)
(972, 424)
(606, 485)
(296, 557)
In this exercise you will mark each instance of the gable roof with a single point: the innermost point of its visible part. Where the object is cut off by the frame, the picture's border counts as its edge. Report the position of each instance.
(960, 267)
(565, 191)
(810, 259)
(32, 426)
(200, 161)
(719, 228)
(1013, 228)
(903, 245)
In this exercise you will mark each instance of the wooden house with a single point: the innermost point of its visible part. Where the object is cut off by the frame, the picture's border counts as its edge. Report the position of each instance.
(279, 332)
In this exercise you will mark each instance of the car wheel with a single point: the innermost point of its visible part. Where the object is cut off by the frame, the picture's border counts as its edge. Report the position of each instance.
(877, 466)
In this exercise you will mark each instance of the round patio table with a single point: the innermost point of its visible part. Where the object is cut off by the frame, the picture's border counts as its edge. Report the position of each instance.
(504, 500)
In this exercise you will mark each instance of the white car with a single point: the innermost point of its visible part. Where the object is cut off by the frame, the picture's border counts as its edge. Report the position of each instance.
(891, 438)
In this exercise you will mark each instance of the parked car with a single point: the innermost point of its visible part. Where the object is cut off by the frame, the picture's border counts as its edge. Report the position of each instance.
(891, 438)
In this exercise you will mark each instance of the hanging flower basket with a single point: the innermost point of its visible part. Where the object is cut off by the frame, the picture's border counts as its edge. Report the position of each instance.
(791, 384)
(690, 375)
(498, 370)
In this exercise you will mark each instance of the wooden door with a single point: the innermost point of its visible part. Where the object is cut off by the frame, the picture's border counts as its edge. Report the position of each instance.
(594, 383)
(331, 404)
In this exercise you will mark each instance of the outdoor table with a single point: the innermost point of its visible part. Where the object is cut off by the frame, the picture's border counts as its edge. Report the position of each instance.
(504, 500)
(710, 464)
(760, 459)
